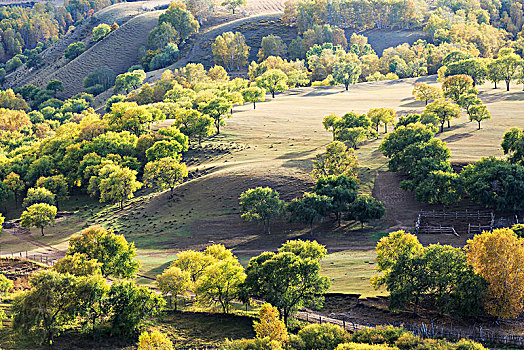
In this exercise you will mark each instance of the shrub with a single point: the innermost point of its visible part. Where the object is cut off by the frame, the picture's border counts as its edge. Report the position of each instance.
(74, 50)
(355, 346)
(100, 31)
(379, 335)
(322, 337)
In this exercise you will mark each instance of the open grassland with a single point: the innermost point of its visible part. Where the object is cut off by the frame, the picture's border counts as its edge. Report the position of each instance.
(274, 146)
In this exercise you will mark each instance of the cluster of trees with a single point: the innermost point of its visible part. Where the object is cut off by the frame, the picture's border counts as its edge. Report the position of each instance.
(355, 14)
(484, 276)
(75, 291)
(335, 192)
(289, 279)
(353, 128)
(494, 183)
(173, 28)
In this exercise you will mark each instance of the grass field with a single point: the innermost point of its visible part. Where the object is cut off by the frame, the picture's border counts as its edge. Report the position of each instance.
(274, 146)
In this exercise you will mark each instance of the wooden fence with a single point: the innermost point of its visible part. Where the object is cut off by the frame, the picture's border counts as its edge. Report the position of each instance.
(40, 258)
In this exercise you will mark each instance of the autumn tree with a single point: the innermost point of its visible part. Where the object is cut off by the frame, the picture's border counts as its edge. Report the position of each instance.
(217, 108)
(273, 80)
(270, 325)
(100, 31)
(116, 255)
(165, 173)
(230, 50)
(495, 73)
(180, 19)
(337, 160)
(498, 256)
(382, 116)
(78, 264)
(425, 92)
(57, 184)
(457, 85)
(194, 124)
(330, 123)
(253, 94)
(220, 283)
(39, 195)
(38, 215)
(129, 81)
(175, 282)
(261, 205)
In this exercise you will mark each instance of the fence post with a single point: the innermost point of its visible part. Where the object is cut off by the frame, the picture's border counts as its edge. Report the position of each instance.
(344, 323)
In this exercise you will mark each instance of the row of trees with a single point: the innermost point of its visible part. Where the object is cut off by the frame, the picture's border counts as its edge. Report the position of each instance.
(484, 276)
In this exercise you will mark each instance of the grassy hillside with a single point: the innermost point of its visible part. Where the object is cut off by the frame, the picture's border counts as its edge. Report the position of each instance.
(135, 23)
(274, 146)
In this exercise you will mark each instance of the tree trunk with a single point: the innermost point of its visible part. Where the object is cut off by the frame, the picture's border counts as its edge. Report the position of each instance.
(442, 127)
(386, 128)
(42, 229)
(254, 105)
(347, 87)
(218, 127)
(507, 85)
(268, 228)
(339, 215)
(273, 94)
(426, 102)
(495, 85)
(479, 125)
(362, 225)
(311, 228)
(449, 124)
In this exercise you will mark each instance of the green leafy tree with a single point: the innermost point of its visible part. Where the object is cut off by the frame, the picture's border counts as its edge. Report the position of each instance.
(130, 305)
(220, 283)
(457, 85)
(273, 80)
(309, 209)
(118, 258)
(425, 92)
(354, 136)
(305, 249)
(233, 4)
(330, 123)
(508, 63)
(78, 264)
(337, 160)
(347, 71)
(162, 35)
(217, 108)
(286, 281)
(383, 116)
(55, 86)
(47, 307)
(253, 95)
(175, 282)
(261, 204)
(271, 45)
(495, 73)
(15, 184)
(115, 184)
(74, 50)
(474, 67)
(165, 173)
(129, 81)
(366, 208)
(39, 195)
(341, 189)
(180, 19)
(439, 186)
(443, 110)
(38, 215)
(479, 113)
(57, 184)
(513, 145)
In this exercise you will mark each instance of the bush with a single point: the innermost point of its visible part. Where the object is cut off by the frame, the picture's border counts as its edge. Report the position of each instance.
(252, 344)
(355, 346)
(408, 341)
(100, 31)
(74, 50)
(379, 335)
(13, 64)
(321, 337)
(95, 89)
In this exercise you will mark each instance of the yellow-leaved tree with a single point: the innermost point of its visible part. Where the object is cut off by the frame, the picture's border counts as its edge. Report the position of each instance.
(498, 257)
(270, 325)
